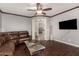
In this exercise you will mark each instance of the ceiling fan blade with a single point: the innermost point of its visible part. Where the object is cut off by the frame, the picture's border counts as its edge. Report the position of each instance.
(31, 10)
(46, 9)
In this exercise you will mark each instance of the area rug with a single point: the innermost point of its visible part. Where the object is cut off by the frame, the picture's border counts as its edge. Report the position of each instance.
(34, 47)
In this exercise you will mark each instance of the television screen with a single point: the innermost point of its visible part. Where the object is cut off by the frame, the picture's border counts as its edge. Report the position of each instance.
(68, 24)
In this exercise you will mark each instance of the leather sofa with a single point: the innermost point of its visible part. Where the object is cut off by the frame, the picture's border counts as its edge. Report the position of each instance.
(8, 41)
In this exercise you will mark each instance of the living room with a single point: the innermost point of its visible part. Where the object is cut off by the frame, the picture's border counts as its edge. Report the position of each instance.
(35, 29)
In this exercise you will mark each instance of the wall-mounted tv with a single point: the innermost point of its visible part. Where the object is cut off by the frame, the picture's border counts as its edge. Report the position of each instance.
(68, 24)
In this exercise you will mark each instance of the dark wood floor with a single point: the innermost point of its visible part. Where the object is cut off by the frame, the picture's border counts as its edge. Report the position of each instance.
(21, 50)
(53, 48)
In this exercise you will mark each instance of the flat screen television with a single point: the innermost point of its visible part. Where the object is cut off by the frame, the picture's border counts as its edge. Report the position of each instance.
(68, 24)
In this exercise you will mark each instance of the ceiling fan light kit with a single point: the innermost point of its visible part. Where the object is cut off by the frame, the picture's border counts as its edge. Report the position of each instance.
(39, 10)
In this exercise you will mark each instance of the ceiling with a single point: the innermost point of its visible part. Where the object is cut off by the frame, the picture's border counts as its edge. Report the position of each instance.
(21, 8)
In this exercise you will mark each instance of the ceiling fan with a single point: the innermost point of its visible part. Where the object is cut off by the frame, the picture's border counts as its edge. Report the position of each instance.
(39, 9)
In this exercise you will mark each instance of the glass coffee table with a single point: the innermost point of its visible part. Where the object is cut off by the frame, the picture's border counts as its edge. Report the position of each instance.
(34, 46)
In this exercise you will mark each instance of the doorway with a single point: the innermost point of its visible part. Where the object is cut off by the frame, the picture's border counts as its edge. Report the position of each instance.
(40, 28)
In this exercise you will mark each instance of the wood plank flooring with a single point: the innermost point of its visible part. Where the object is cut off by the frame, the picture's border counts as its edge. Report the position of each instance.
(53, 48)
(21, 50)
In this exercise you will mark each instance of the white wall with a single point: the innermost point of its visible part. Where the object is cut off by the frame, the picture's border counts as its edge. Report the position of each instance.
(0, 22)
(66, 36)
(15, 23)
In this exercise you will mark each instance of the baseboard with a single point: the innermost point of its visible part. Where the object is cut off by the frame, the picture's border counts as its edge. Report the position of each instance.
(62, 42)
(68, 43)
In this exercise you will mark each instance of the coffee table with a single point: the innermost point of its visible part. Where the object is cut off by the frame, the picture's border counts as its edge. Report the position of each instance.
(34, 47)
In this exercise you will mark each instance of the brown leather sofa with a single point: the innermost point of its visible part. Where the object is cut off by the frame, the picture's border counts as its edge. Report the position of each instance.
(8, 41)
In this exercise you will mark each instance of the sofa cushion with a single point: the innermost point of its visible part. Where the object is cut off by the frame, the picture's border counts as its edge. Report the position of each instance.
(13, 35)
(7, 48)
(23, 36)
(1, 40)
